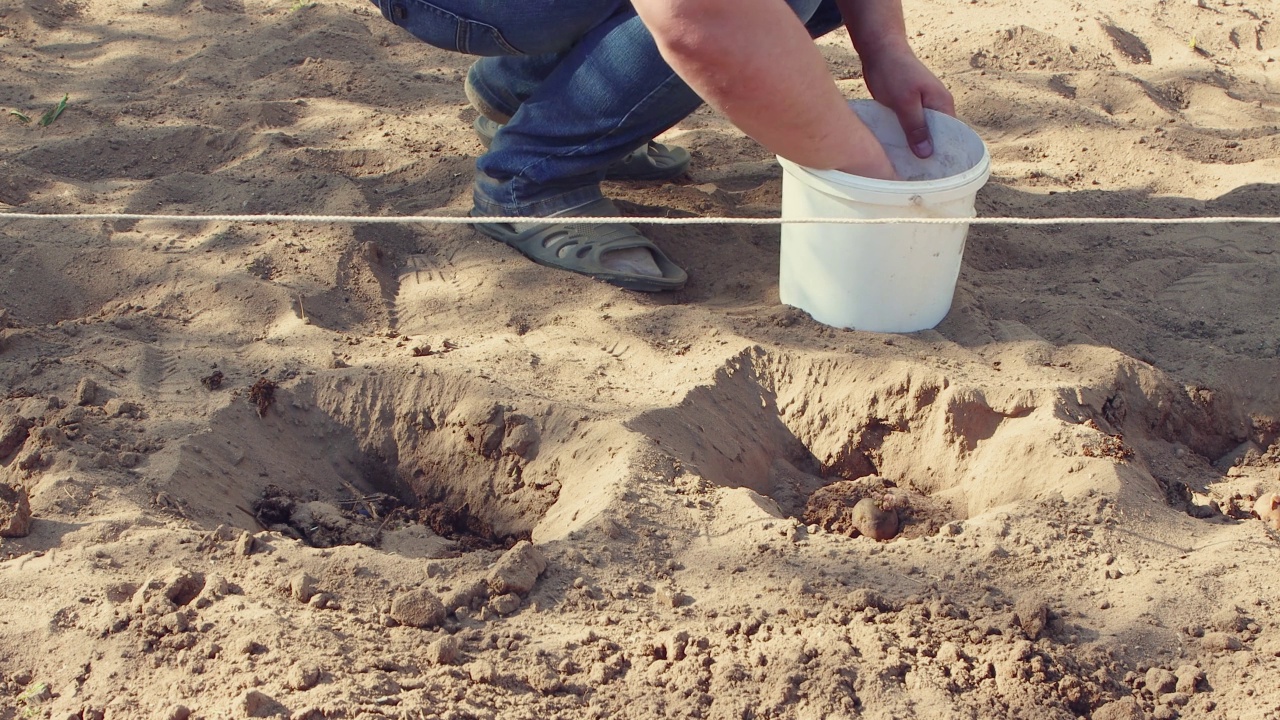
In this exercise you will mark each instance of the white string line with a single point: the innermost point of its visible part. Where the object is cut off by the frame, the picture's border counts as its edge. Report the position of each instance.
(467, 220)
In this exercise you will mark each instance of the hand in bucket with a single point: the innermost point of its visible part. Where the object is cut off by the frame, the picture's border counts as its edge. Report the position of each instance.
(898, 80)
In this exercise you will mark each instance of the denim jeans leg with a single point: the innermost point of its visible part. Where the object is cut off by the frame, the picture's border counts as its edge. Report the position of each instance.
(825, 19)
(608, 94)
(499, 27)
(609, 91)
(506, 81)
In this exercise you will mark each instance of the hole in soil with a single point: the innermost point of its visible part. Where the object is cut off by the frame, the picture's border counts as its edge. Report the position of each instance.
(363, 518)
(346, 457)
(818, 439)
(357, 521)
(820, 436)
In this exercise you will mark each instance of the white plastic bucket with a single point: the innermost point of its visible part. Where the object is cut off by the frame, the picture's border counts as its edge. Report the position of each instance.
(882, 278)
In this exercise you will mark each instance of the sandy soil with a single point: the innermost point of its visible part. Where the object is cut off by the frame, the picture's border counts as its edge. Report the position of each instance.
(288, 470)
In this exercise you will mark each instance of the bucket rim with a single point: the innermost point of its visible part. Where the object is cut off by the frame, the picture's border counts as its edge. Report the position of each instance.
(977, 174)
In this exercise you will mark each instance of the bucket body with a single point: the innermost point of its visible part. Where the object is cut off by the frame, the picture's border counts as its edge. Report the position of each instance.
(882, 278)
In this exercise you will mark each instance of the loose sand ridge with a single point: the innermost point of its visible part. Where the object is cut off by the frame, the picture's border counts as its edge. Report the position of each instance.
(1080, 443)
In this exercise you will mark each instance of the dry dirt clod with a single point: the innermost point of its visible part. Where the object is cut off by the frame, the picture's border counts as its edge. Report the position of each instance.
(864, 598)
(170, 589)
(1218, 642)
(249, 646)
(444, 651)
(463, 594)
(481, 672)
(86, 392)
(1229, 620)
(13, 433)
(874, 522)
(15, 512)
(505, 604)
(302, 586)
(50, 436)
(418, 608)
(1122, 709)
(521, 439)
(1032, 615)
(1160, 681)
(948, 653)
(116, 407)
(1022, 651)
(1189, 678)
(182, 586)
(517, 570)
(671, 598)
(245, 544)
(544, 679)
(1267, 508)
(215, 588)
(372, 252)
(256, 703)
(302, 677)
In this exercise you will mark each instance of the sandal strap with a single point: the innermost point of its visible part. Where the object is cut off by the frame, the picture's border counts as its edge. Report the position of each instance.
(573, 241)
(597, 238)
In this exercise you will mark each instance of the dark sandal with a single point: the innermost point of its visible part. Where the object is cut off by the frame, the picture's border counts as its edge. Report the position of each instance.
(651, 161)
(574, 243)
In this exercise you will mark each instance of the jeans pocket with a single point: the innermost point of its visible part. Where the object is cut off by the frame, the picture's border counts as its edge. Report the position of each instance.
(443, 29)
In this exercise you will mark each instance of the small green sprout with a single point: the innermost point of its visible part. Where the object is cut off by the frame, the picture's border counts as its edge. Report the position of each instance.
(32, 698)
(47, 119)
(19, 116)
(33, 693)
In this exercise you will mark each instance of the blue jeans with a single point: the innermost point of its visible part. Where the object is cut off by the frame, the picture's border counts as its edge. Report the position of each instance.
(582, 80)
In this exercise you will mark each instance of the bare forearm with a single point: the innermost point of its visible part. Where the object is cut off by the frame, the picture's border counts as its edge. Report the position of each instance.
(874, 25)
(753, 61)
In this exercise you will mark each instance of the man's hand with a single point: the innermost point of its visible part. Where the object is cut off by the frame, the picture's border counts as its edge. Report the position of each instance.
(895, 77)
(898, 80)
